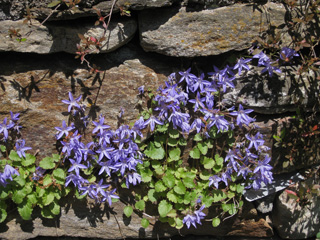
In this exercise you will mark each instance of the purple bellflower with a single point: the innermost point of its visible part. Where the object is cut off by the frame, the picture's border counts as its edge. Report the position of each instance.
(64, 130)
(72, 102)
(20, 148)
(242, 63)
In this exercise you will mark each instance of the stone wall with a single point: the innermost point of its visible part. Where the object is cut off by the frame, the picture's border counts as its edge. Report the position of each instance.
(160, 37)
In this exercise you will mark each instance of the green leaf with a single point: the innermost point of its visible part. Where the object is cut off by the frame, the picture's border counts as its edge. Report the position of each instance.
(46, 212)
(182, 142)
(173, 142)
(180, 188)
(18, 196)
(207, 201)
(55, 208)
(208, 163)
(144, 223)
(59, 176)
(174, 133)
(47, 163)
(152, 195)
(218, 159)
(164, 208)
(47, 180)
(179, 223)
(169, 180)
(48, 198)
(161, 128)
(159, 186)
(159, 170)
(197, 137)
(218, 195)
(172, 213)
(25, 210)
(216, 222)
(29, 160)
(56, 157)
(32, 198)
(174, 154)
(140, 205)
(172, 197)
(54, 3)
(4, 193)
(78, 196)
(203, 148)
(240, 188)
(19, 180)
(188, 182)
(154, 152)
(205, 175)
(146, 175)
(3, 211)
(195, 153)
(159, 140)
(2, 148)
(128, 210)
(14, 156)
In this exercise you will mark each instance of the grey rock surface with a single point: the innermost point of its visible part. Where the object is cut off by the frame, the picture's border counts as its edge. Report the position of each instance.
(17, 9)
(277, 94)
(83, 219)
(293, 221)
(62, 37)
(182, 33)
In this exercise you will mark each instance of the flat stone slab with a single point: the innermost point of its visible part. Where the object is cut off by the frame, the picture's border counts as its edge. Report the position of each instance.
(63, 37)
(181, 33)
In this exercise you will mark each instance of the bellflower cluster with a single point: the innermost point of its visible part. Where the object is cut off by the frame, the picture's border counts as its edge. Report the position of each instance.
(185, 88)
(195, 216)
(7, 174)
(10, 135)
(112, 153)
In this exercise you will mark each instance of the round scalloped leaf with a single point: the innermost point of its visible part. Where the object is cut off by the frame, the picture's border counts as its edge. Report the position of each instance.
(18, 196)
(128, 210)
(159, 186)
(14, 156)
(144, 222)
(174, 154)
(146, 175)
(197, 137)
(218, 159)
(154, 152)
(216, 222)
(59, 175)
(25, 210)
(55, 208)
(195, 153)
(3, 211)
(174, 133)
(180, 188)
(205, 175)
(182, 142)
(188, 182)
(173, 142)
(47, 163)
(208, 163)
(48, 198)
(179, 223)
(152, 195)
(172, 197)
(169, 180)
(140, 205)
(164, 208)
(29, 160)
(203, 148)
